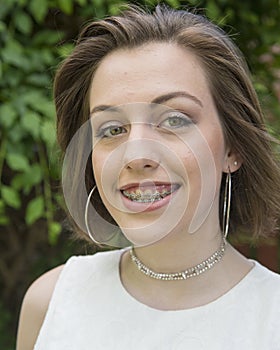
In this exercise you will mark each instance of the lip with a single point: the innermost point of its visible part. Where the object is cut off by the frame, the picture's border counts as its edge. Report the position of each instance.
(146, 184)
(135, 206)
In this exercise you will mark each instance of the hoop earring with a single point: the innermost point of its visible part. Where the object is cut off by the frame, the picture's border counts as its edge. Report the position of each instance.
(227, 203)
(107, 233)
(86, 216)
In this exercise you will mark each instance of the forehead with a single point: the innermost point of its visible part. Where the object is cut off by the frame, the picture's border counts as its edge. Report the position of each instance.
(143, 73)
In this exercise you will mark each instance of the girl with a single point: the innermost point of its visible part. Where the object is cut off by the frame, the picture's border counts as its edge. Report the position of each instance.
(165, 154)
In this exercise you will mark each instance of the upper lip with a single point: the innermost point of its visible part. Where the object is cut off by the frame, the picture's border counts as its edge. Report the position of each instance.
(148, 184)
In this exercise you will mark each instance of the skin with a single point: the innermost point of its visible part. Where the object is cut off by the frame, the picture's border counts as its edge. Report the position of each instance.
(135, 77)
(119, 80)
(34, 308)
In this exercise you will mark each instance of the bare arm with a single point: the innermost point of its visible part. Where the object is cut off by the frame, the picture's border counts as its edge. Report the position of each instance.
(34, 308)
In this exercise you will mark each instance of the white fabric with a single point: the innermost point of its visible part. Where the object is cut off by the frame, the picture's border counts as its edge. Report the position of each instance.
(90, 309)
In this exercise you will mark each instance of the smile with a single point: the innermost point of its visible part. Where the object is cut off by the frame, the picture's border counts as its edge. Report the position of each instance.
(149, 194)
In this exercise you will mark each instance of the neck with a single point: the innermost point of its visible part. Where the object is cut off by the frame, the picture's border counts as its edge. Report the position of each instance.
(177, 252)
(181, 250)
(190, 272)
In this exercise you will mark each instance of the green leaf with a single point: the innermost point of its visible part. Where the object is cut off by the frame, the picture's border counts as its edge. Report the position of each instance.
(22, 2)
(31, 123)
(2, 206)
(4, 220)
(54, 231)
(38, 9)
(16, 134)
(81, 2)
(36, 172)
(49, 37)
(40, 80)
(48, 133)
(23, 22)
(213, 11)
(66, 6)
(34, 210)
(17, 162)
(47, 109)
(47, 56)
(6, 7)
(13, 54)
(32, 97)
(65, 50)
(11, 197)
(2, 26)
(8, 115)
(37, 101)
(12, 76)
(174, 3)
(28, 179)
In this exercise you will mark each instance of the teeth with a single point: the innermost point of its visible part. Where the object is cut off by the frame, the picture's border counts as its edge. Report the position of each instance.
(138, 194)
(146, 196)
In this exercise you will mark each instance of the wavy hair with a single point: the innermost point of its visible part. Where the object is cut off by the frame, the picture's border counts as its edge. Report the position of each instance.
(255, 192)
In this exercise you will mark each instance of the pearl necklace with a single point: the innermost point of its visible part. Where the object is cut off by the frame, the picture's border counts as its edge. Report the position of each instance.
(190, 272)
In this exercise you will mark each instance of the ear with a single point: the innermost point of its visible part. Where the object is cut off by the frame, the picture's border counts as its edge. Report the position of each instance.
(232, 162)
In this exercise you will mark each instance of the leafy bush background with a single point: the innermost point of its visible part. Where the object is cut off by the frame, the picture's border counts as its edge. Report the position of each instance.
(35, 35)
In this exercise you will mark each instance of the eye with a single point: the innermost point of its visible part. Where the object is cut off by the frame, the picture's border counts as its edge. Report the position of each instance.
(176, 120)
(111, 131)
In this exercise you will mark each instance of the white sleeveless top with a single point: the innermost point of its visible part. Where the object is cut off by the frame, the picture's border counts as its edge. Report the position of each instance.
(91, 310)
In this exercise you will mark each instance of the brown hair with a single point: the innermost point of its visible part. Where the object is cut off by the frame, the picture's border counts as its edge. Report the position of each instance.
(255, 192)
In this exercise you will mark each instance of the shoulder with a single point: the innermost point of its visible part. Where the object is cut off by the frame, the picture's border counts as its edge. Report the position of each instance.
(268, 292)
(81, 267)
(71, 277)
(34, 308)
(265, 286)
(266, 278)
(41, 289)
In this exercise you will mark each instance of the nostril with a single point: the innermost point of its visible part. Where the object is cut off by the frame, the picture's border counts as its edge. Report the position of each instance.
(142, 163)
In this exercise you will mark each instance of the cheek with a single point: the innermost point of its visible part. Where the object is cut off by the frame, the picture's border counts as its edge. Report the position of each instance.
(106, 170)
(212, 152)
(98, 161)
(101, 160)
(191, 166)
(96, 166)
(217, 146)
(213, 168)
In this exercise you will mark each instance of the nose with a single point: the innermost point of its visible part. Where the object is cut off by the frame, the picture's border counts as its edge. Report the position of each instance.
(139, 164)
(141, 149)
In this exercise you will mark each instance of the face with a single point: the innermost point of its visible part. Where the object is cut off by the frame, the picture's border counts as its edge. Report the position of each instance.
(158, 146)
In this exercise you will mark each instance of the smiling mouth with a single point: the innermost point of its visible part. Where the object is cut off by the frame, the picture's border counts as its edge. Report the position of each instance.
(149, 194)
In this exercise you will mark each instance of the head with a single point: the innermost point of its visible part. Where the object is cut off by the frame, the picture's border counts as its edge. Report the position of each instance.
(254, 202)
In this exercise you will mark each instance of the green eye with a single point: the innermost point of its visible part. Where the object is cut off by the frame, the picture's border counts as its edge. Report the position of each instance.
(178, 120)
(111, 131)
(175, 121)
(115, 131)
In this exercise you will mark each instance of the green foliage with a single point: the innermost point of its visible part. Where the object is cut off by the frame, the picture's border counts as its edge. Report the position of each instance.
(255, 28)
(28, 57)
(31, 49)
(35, 35)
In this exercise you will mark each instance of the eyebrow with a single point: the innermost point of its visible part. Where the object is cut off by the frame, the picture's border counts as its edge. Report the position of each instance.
(171, 95)
(158, 100)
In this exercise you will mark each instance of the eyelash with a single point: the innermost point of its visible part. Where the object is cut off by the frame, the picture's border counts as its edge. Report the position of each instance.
(184, 122)
(102, 132)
